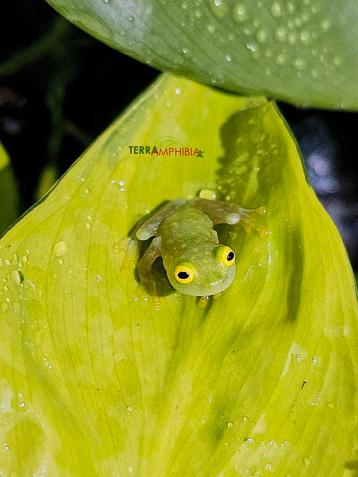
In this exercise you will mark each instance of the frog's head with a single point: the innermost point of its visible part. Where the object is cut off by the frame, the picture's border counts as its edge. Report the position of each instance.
(211, 273)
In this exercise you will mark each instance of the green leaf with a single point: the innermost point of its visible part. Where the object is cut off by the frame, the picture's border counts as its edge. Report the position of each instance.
(9, 204)
(299, 51)
(98, 378)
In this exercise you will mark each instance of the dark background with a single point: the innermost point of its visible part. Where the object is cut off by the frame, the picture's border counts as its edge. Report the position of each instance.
(60, 88)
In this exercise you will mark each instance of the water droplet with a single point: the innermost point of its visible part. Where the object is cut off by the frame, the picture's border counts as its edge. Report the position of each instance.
(337, 60)
(281, 34)
(60, 249)
(305, 36)
(17, 277)
(290, 7)
(249, 440)
(129, 409)
(99, 278)
(130, 18)
(203, 301)
(60, 261)
(218, 7)
(211, 28)
(325, 24)
(251, 45)
(25, 259)
(268, 71)
(22, 404)
(268, 466)
(228, 57)
(240, 13)
(307, 461)
(177, 91)
(281, 59)
(6, 446)
(299, 63)
(185, 50)
(276, 9)
(130, 469)
(261, 36)
(245, 418)
(229, 424)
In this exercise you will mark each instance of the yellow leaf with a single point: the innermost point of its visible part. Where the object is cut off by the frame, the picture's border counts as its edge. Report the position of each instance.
(97, 378)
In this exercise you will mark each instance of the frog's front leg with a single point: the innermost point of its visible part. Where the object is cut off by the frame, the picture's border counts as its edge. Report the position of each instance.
(149, 227)
(221, 212)
(145, 264)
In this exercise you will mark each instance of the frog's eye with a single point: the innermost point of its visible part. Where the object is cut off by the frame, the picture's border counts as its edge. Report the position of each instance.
(225, 255)
(184, 272)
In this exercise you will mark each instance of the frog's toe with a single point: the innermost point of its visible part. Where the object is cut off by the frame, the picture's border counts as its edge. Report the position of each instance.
(232, 218)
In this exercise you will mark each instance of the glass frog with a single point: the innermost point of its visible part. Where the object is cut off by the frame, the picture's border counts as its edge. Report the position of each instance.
(184, 236)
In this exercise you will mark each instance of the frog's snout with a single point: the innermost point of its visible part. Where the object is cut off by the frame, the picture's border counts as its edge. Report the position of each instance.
(207, 285)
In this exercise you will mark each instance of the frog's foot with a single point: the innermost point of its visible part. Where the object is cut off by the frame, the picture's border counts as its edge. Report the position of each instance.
(150, 271)
(221, 212)
(204, 301)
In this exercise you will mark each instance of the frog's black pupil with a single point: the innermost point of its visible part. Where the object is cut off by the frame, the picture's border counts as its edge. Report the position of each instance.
(183, 275)
(230, 256)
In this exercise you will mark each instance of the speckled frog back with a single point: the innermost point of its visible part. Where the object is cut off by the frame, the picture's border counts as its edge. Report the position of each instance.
(185, 233)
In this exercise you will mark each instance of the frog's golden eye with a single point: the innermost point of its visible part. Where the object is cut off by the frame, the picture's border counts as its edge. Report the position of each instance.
(225, 255)
(184, 272)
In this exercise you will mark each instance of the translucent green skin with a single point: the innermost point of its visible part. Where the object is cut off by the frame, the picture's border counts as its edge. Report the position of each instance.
(187, 235)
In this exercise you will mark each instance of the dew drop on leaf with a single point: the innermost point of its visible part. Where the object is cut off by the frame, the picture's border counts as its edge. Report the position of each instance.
(305, 36)
(252, 46)
(240, 13)
(281, 34)
(276, 10)
(60, 249)
(17, 277)
(299, 63)
(261, 36)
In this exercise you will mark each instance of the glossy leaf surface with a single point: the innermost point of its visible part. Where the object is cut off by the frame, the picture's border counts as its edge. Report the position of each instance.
(304, 52)
(99, 378)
